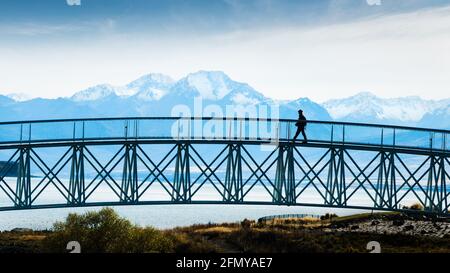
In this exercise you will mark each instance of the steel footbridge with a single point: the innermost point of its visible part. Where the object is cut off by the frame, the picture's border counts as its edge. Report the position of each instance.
(188, 160)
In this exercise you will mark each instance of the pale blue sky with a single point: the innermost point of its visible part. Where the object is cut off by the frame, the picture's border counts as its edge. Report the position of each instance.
(286, 49)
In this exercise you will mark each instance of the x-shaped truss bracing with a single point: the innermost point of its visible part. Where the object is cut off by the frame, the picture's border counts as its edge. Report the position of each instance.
(234, 171)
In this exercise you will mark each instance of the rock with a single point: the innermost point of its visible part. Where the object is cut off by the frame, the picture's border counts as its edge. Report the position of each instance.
(408, 228)
(355, 227)
(398, 222)
(375, 222)
(437, 226)
(339, 225)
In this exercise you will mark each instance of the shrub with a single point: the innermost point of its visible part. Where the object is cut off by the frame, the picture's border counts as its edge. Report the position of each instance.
(246, 224)
(328, 216)
(416, 206)
(105, 232)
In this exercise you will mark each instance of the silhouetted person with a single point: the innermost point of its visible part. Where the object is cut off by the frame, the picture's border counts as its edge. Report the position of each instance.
(301, 124)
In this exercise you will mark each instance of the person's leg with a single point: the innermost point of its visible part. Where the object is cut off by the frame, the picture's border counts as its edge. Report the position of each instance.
(305, 139)
(296, 134)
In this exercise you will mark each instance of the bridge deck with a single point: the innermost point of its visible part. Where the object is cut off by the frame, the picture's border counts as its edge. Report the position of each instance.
(221, 130)
(310, 144)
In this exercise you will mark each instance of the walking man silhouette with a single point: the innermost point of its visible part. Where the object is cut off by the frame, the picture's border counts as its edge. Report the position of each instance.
(301, 124)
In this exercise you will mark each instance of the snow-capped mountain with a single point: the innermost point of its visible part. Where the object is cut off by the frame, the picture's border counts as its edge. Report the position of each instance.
(367, 107)
(158, 95)
(216, 86)
(213, 87)
(94, 93)
(147, 87)
(311, 109)
(209, 85)
(19, 96)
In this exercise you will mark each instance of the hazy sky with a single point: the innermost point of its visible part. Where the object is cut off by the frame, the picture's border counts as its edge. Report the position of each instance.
(319, 49)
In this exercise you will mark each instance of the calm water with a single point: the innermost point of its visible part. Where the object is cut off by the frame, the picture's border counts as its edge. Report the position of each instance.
(165, 216)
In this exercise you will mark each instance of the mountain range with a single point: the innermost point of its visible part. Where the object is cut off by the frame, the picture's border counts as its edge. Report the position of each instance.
(157, 95)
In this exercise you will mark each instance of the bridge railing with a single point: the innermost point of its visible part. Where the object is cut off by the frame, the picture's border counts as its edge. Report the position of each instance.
(207, 128)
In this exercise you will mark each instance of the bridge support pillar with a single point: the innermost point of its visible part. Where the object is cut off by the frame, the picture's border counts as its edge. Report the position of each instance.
(336, 193)
(23, 186)
(233, 191)
(182, 176)
(435, 200)
(129, 190)
(386, 196)
(284, 190)
(76, 181)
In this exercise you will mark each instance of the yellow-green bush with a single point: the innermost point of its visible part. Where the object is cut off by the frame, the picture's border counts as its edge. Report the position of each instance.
(105, 232)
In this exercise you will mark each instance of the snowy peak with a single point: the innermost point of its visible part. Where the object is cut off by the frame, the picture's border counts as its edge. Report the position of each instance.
(217, 86)
(211, 85)
(150, 94)
(311, 109)
(246, 98)
(363, 105)
(20, 97)
(244, 94)
(148, 87)
(157, 94)
(158, 81)
(94, 93)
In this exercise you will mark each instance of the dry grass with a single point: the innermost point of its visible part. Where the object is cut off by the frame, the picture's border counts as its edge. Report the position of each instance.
(294, 222)
(218, 229)
(32, 237)
(307, 219)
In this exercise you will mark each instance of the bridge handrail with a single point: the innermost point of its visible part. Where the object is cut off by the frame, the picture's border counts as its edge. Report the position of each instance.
(341, 123)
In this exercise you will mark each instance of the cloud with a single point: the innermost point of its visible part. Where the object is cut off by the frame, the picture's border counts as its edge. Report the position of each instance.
(40, 31)
(33, 29)
(395, 55)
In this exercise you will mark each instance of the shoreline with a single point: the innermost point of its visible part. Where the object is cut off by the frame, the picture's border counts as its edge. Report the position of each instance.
(396, 232)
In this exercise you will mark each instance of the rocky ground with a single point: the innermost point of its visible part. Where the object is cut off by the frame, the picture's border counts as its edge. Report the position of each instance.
(394, 224)
(407, 227)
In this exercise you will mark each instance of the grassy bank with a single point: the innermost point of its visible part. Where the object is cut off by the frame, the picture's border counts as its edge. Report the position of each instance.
(105, 231)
